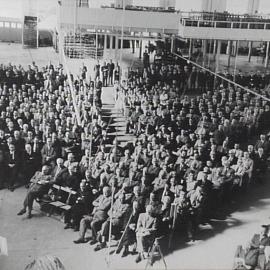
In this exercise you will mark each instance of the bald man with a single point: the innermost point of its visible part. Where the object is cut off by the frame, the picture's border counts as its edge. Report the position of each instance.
(99, 215)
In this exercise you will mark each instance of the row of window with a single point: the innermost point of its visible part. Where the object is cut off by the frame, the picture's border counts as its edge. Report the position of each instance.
(10, 25)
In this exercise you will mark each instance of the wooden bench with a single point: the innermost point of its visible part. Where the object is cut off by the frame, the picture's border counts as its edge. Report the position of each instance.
(63, 206)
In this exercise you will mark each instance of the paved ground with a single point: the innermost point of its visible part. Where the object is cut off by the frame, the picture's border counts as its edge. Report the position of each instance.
(42, 235)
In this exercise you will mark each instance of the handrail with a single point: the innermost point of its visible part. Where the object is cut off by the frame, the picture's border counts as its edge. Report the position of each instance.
(225, 24)
(217, 15)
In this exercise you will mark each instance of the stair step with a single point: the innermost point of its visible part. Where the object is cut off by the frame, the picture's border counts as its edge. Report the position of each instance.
(118, 124)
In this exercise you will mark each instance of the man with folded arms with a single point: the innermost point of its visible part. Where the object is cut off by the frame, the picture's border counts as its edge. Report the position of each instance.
(117, 216)
(100, 214)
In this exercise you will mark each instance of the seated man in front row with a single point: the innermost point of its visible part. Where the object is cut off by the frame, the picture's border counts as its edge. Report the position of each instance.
(145, 232)
(40, 185)
(118, 216)
(99, 215)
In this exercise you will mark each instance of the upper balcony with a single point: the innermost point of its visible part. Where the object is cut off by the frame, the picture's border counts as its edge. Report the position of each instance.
(224, 26)
(110, 19)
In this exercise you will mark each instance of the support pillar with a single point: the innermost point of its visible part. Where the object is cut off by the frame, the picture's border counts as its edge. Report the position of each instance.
(235, 60)
(218, 55)
(140, 52)
(172, 44)
(249, 50)
(133, 46)
(121, 47)
(215, 49)
(204, 50)
(267, 55)
(190, 48)
(116, 46)
(105, 44)
(111, 44)
(229, 52)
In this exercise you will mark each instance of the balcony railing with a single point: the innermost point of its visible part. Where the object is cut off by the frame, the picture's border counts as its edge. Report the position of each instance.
(224, 24)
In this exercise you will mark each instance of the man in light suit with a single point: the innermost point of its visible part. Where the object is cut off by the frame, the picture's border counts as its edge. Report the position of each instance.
(99, 215)
(48, 153)
(118, 216)
(145, 232)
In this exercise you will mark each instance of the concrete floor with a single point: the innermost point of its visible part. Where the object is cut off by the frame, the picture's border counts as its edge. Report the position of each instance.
(28, 239)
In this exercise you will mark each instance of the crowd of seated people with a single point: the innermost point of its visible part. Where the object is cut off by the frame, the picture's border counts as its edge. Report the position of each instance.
(38, 123)
(191, 155)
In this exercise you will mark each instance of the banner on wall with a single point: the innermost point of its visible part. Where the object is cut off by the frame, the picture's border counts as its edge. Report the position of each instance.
(30, 31)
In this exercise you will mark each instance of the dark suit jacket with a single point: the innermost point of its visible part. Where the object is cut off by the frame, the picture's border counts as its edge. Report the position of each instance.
(68, 180)
(13, 160)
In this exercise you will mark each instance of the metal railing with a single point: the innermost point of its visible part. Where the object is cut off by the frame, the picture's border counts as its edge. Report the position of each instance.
(224, 24)
(225, 16)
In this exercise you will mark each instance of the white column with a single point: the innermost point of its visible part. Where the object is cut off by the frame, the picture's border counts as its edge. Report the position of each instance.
(204, 50)
(229, 52)
(249, 50)
(235, 60)
(172, 44)
(267, 55)
(116, 46)
(140, 52)
(105, 44)
(218, 55)
(215, 48)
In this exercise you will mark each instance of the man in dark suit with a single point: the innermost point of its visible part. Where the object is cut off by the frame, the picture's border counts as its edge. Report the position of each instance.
(69, 177)
(40, 184)
(111, 71)
(105, 71)
(145, 232)
(13, 162)
(99, 215)
(30, 163)
(81, 207)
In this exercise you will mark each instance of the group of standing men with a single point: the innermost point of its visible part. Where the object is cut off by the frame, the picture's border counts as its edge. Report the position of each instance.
(108, 73)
